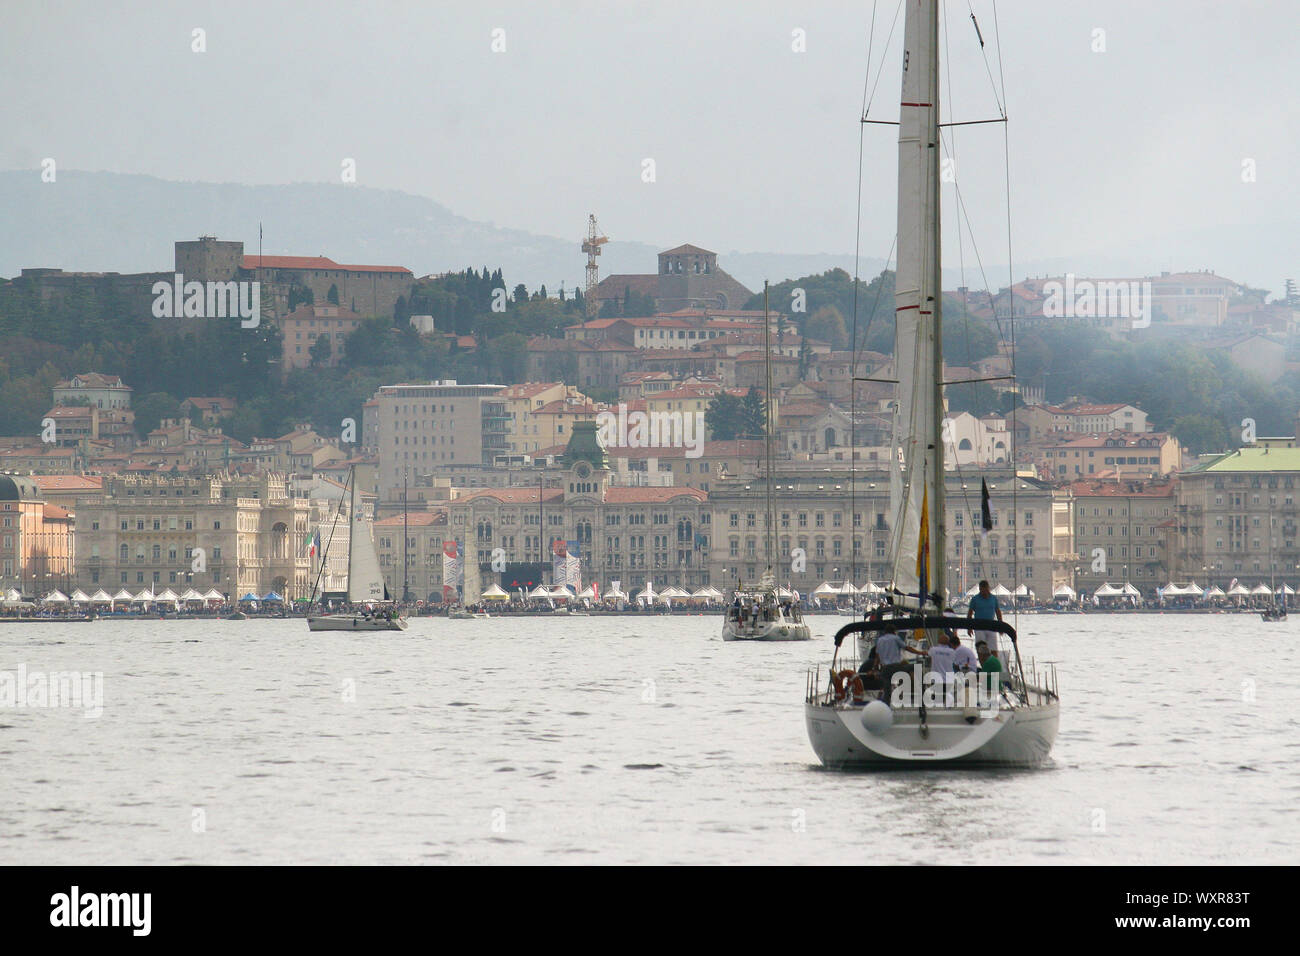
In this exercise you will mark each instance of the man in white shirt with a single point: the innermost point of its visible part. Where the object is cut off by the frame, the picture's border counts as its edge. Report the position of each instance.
(963, 658)
(941, 655)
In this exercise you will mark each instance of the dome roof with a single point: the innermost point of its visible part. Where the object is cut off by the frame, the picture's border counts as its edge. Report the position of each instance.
(15, 488)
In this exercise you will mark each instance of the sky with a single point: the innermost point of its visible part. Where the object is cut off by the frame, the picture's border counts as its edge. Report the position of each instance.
(1133, 127)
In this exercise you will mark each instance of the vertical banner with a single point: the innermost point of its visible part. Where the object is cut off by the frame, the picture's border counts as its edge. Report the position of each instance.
(453, 568)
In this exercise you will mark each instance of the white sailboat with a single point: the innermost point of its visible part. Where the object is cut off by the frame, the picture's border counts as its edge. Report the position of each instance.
(366, 590)
(915, 715)
(761, 612)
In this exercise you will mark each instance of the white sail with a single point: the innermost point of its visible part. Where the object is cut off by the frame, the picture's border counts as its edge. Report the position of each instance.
(918, 460)
(365, 580)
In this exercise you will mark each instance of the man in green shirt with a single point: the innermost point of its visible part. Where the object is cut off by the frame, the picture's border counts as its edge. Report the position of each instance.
(989, 664)
(988, 660)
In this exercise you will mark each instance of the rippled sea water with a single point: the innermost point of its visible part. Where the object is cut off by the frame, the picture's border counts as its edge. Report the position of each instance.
(624, 740)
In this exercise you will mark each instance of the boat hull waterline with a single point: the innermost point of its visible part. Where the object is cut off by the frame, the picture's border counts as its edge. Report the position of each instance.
(1013, 737)
(355, 622)
(767, 631)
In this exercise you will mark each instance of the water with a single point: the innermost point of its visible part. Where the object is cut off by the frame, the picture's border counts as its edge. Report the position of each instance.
(623, 740)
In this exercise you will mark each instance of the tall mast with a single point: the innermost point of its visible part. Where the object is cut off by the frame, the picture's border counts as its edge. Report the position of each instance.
(767, 430)
(406, 576)
(917, 478)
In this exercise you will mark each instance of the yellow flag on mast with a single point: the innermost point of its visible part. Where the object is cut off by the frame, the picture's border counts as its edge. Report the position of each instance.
(923, 549)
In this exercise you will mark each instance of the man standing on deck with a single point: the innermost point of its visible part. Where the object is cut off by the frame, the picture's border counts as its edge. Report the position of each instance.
(984, 607)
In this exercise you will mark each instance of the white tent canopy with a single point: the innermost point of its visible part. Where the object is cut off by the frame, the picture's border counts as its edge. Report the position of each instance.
(1107, 590)
(1131, 590)
(167, 597)
(826, 589)
(1172, 590)
(80, 597)
(1285, 589)
(1193, 588)
(539, 593)
(1261, 589)
(56, 597)
(1064, 591)
(214, 595)
(871, 588)
(1214, 592)
(101, 597)
(122, 595)
(495, 592)
(144, 596)
(673, 591)
(999, 591)
(189, 594)
(1023, 591)
(1240, 590)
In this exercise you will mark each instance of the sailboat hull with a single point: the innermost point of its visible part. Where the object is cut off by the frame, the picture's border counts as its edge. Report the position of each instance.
(1018, 737)
(766, 631)
(354, 622)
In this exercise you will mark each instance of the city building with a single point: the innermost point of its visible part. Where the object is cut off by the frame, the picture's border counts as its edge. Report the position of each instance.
(1123, 532)
(36, 547)
(306, 326)
(1236, 519)
(688, 278)
(93, 388)
(237, 534)
(425, 427)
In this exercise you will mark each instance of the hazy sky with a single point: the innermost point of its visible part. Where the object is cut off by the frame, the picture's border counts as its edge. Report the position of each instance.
(1134, 152)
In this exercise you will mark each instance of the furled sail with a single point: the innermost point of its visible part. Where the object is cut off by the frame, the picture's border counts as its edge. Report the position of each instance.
(918, 459)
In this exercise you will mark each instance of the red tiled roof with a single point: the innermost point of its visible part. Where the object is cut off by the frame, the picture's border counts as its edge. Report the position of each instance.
(1093, 488)
(413, 519)
(526, 389)
(318, 263)
(513, 496)
(687, 249)
(68, 482)
(619, 495)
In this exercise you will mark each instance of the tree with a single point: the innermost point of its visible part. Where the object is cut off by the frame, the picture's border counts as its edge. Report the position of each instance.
(827, 325)
(333, 294)
(152, 409)
(301, 295)
(321, 350)
(511, 354)
(722, 417)
(1201, 434)
(752, 422)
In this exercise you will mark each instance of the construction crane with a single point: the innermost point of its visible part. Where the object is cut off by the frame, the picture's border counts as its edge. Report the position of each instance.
(591, 246)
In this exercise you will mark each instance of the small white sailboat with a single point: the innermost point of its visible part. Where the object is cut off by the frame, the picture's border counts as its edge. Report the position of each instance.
(902, 711)
(764, 612)
(366, 589)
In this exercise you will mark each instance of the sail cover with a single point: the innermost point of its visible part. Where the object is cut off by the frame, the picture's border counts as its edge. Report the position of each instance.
(918, 460)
